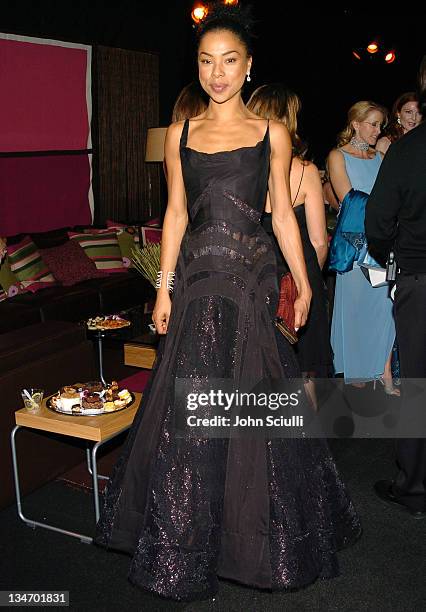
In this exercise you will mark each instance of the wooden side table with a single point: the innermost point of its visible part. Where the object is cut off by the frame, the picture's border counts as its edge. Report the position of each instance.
(94, 429)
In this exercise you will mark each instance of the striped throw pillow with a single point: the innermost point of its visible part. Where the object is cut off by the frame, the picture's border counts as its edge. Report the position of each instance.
(102, 248)
(28, 267)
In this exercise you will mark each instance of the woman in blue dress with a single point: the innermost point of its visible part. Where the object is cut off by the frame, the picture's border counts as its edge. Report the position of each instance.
(363, 327)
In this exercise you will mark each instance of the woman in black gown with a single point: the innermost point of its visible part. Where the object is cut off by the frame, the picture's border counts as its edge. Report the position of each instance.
(313, 350)
(267, 513)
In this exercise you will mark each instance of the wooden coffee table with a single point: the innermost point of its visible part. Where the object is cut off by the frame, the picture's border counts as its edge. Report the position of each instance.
(94, 429)
(141, 351)
(139, 355)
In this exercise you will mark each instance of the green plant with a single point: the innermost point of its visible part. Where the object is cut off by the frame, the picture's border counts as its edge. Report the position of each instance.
(147, 260)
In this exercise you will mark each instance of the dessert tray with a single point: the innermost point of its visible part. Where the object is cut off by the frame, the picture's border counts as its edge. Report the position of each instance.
(90, 399)
(107, 322)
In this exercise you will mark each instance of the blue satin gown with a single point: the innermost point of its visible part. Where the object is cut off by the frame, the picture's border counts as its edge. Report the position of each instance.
(363, 327)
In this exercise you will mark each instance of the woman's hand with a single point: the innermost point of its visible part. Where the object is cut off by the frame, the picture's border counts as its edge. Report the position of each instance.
(301, 310)
(161, 313)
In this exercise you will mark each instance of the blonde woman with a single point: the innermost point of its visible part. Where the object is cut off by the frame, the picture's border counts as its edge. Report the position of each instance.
(363, 327)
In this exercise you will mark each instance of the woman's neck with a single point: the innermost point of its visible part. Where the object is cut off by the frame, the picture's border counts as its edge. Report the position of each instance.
(227, 111)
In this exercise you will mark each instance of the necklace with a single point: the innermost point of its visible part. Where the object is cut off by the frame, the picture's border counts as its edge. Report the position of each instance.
(359, 144)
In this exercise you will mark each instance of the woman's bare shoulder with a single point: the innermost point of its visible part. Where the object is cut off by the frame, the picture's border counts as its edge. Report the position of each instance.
(279, 133)
(335, 156)
(175, 128)
(311, 170)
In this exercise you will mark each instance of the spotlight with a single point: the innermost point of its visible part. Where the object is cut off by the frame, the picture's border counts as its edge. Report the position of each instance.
(373, 47)
(230, 2)
(390, 57)
(356, 55)
(199, 13)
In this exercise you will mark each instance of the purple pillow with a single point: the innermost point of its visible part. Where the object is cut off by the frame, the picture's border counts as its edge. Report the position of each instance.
(69, 263)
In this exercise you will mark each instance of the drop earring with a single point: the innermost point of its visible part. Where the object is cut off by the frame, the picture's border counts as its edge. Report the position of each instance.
(248, 77)
(398, 120)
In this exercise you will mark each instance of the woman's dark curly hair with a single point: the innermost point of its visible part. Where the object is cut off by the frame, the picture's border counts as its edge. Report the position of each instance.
(232, 17)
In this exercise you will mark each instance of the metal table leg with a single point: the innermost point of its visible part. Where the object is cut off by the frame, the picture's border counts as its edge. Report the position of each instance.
(89, 465)
(95, 479)
(101, 363)
(32, 523)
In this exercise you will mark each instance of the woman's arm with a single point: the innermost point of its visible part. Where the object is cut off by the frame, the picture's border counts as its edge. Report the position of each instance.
(383, 144)
(337, 172)
(174, 225)
(329, 195)
(315, 212)
(284, 223)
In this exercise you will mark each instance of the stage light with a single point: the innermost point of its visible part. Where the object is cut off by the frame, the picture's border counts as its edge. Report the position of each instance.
(230, 2)
(356, 55)
(199, 13)
(390, 57)
(373, 47)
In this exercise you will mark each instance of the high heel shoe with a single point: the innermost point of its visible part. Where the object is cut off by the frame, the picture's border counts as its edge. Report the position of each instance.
(388, 386)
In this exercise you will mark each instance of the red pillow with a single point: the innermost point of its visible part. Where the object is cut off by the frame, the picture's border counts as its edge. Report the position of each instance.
(69, 263)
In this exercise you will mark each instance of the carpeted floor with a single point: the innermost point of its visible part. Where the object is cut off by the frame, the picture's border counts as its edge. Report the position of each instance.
(383, 572)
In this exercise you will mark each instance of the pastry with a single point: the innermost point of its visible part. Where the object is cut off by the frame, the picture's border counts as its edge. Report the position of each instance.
(125, 395)
(93, 386)
(68, 399)
(92, 401)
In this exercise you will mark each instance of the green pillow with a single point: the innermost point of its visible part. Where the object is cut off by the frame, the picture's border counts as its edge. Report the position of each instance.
(126, 243)
(7, 277)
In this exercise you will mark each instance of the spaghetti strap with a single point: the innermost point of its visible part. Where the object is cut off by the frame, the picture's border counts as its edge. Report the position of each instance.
(300, 184)
(267, 131)
(184, 135)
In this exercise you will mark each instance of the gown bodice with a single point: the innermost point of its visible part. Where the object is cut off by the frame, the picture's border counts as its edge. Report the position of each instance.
(226, 185)
(362, 172)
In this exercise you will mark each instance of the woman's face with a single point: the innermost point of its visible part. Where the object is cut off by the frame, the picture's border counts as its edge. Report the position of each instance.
(409, 116)
(369, 129)
(223, 64)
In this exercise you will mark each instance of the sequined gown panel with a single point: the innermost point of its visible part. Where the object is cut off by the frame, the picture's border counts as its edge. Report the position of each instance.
(269, 514)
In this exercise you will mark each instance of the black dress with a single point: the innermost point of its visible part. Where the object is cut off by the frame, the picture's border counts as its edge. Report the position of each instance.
(313, 349)
(270, 514)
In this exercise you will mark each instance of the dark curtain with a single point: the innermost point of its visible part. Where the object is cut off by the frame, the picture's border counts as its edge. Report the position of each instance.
(125, 105)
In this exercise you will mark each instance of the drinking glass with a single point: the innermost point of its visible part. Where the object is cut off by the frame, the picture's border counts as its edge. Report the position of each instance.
(32, 399)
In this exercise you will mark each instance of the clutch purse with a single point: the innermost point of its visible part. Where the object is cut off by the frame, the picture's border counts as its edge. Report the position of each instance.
(285, 315)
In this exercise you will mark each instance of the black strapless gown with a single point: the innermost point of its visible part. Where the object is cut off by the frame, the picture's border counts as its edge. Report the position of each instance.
(272, 513)
(313, 349)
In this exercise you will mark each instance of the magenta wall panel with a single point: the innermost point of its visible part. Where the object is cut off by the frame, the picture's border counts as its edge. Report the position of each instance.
(43, 101)
(42, 193)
